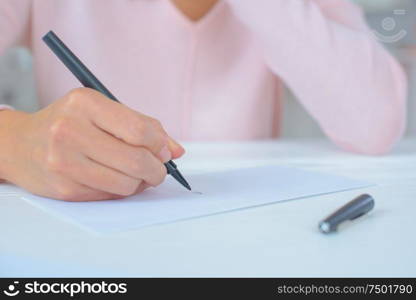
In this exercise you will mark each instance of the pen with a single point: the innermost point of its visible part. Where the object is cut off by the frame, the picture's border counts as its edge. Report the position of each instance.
(350, 211)
(85, 76)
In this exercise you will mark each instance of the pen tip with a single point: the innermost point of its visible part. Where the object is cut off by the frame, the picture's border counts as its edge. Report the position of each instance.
(178, 176)
(188, 187)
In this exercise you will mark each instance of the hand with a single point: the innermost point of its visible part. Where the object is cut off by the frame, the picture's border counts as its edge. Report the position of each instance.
(84, 147)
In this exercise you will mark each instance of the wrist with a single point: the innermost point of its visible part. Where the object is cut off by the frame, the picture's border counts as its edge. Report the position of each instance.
(8, 121)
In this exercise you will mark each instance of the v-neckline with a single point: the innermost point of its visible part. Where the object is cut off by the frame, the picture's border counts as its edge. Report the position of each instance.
(211, 13)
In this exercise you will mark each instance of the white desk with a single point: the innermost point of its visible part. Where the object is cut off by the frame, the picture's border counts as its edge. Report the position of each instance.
(273, 240)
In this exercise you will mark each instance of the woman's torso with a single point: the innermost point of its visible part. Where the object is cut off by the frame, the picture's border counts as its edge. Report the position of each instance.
(203, 80)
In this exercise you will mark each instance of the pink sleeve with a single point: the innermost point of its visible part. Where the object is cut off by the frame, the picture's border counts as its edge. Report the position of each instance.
(4, 106)
(324, 52)
(14, 23)
(14, 26)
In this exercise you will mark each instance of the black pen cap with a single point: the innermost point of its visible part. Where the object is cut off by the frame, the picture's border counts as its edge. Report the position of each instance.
(350, 211)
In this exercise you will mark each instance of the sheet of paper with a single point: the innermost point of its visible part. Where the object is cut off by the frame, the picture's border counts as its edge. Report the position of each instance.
(220, 192)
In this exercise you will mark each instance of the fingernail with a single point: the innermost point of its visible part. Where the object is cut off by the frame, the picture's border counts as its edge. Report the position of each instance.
(175, 145)
(165, 154)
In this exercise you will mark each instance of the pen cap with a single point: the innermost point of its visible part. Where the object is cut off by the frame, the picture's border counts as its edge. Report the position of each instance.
(350, 211)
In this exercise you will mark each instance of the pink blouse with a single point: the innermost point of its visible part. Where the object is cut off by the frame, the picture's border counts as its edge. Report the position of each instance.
(220, 78)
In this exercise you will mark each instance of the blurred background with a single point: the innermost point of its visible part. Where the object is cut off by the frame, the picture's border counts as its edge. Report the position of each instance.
(393, 23)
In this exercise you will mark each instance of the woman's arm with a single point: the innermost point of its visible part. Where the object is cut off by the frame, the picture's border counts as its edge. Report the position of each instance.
(14, 31)
(14, 23)
(324, 51)
(14, 28)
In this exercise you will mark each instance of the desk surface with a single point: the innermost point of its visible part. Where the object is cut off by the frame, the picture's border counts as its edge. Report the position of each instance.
(274, 240)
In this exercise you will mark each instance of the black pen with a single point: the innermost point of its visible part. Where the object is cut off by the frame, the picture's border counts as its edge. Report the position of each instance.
(85, 76)
(350, 211)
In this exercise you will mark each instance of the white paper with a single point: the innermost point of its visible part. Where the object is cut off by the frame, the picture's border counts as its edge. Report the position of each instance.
(221, 192)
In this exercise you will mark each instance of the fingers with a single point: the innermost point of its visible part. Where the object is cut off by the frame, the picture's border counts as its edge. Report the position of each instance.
(80, 169)
(88, 194)
(113, 149)
(142, 187)
(63, 188)
(126, 124)
(136, 162)
(122, 122)
(67, 190)
(75, 192)
(175, 149)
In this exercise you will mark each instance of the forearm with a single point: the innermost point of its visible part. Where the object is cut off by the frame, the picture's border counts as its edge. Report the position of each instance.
(353, 88)
(8, 119)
